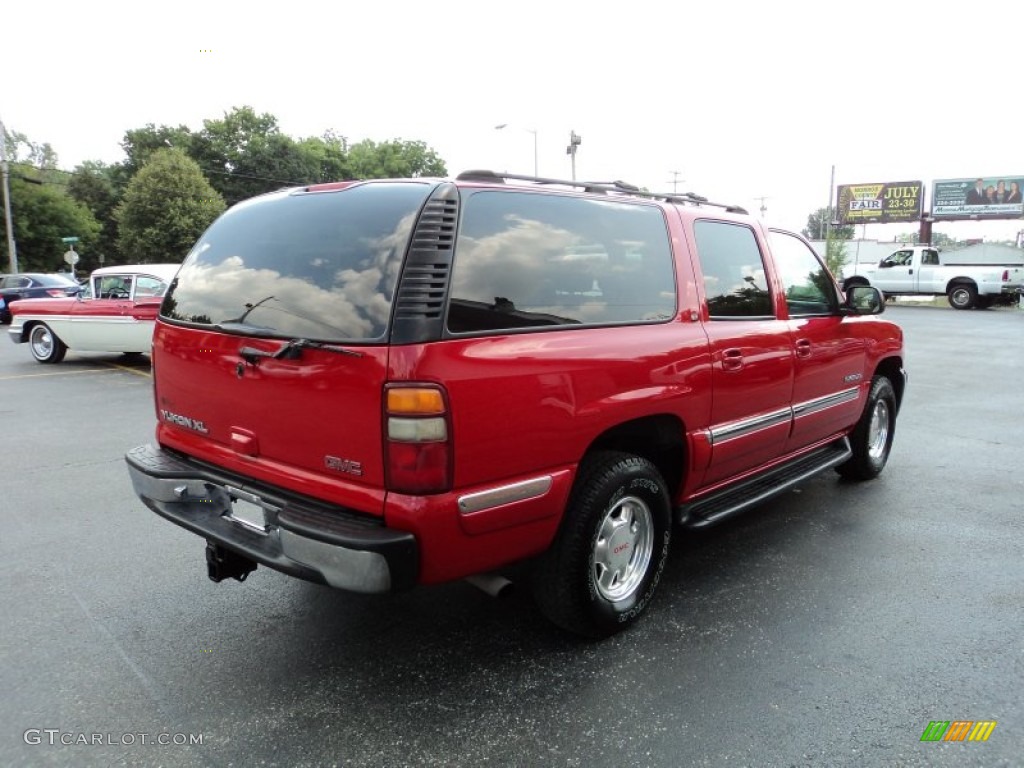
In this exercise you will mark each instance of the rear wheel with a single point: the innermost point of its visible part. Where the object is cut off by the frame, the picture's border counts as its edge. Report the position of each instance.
(603, 567)
(44, 344)
(962, 295)
(871, 439)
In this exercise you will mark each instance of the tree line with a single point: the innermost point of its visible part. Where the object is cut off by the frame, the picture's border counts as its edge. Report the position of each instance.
(174, 182)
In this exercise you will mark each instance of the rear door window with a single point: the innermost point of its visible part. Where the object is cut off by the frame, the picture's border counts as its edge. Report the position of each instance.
(526, 260)
(735, 281)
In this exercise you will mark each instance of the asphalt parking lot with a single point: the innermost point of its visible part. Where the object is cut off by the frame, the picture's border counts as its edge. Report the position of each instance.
(825, 628)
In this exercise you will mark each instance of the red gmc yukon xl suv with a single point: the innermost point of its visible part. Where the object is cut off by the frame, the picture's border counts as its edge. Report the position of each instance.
(384, 383)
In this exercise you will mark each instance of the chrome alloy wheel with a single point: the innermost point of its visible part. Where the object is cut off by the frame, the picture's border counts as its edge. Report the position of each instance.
(878, 430)
(41, 342)
(622, 550)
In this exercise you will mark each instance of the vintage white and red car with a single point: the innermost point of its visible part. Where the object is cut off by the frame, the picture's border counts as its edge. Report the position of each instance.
(115, 313)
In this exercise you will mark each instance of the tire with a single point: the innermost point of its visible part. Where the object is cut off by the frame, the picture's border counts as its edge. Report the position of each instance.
(871, 439)
(600, 573)
(962, 295)
(44, 344)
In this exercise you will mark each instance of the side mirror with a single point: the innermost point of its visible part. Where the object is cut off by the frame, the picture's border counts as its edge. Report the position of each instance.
(864, 300)
(883, 264)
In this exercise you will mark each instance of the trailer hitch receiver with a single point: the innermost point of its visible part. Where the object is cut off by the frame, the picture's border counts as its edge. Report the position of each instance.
(222, 563)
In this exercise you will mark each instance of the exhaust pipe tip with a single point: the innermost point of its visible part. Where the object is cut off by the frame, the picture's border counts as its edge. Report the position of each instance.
(493, 584)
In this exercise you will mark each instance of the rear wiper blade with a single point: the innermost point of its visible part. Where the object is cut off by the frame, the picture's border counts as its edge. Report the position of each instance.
(292, 350)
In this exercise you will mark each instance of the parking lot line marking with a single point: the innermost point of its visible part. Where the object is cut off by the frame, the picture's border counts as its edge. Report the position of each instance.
(114, 367)
(54, 373)
(136, 371)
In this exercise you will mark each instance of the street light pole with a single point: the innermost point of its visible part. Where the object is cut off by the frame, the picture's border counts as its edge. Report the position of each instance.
(12, 249)
(528, 130)
(574, 143)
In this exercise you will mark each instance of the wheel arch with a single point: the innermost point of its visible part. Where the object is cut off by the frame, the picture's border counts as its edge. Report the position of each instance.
(961, 280)
(27, 327)
(892, 369)
(659, 438)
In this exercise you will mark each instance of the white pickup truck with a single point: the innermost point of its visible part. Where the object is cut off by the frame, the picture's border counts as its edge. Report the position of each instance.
(919, 271)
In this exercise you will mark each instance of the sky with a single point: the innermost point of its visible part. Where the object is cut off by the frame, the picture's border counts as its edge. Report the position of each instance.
(736, 101)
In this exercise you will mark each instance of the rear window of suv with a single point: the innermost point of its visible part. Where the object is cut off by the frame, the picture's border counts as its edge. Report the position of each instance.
(315, 265)
(526, 260)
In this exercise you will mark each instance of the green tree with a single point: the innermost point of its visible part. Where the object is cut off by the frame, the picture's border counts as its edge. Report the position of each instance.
(327, 157)
(394, 159)
(139, 144)
(835, 254)
(166, 207)
(42, 214)
(41, 210)
(245, 154)
(98, 186)
(818, 226)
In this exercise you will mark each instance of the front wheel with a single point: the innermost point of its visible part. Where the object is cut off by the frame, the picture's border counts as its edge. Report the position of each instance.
(871, 439)
(46, 347)
(962, 296)
(601, 571)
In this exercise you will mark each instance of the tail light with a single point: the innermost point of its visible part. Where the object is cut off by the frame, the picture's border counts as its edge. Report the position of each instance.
(418, 446)
(1006, 275)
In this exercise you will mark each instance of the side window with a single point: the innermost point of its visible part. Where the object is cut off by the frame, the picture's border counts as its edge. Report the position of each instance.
(149, 286)
(527, 260)
(897, 259)
(930, 258)
(734, 275)
(115, 287)
(808, 286)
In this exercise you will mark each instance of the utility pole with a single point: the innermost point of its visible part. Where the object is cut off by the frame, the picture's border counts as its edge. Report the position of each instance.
(574, 143)
(828, 208)
(675, 181)
(12, 249)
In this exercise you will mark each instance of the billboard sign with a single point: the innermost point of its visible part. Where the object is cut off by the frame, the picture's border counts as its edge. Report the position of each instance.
(879, 203)
(992, 197)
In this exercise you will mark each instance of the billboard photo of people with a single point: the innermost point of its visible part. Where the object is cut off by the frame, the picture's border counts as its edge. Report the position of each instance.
(995, 197)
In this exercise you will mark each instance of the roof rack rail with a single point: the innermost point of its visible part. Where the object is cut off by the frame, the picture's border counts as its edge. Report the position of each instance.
(622, 187)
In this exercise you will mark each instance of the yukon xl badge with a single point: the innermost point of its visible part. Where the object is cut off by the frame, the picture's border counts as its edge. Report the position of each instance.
(183, 421)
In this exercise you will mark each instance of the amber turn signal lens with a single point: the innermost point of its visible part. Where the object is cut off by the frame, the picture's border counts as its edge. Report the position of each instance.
(418, 401)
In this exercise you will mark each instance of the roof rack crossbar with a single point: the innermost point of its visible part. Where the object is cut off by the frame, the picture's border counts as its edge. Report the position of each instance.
(620, 187)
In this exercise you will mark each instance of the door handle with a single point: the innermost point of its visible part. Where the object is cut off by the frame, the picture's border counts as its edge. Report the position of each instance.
(803, 348)
(732, 359)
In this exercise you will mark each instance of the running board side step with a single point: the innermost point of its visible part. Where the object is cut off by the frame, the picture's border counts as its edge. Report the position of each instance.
(729, 501)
